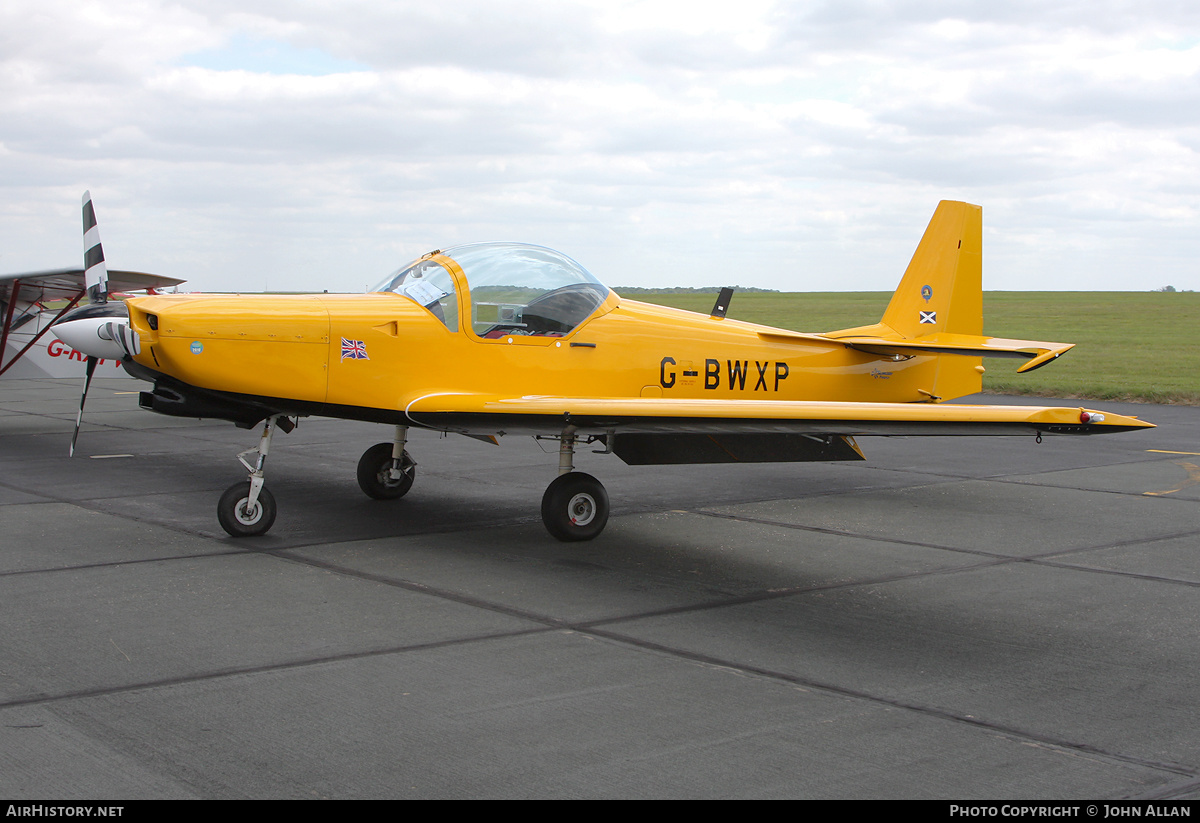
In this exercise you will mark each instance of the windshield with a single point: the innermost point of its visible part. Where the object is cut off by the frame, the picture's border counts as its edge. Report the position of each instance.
(427, 284)
(517, 289)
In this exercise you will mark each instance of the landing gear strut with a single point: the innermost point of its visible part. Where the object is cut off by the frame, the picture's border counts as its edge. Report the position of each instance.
(245, 509)
(386, 471)
(575, 505)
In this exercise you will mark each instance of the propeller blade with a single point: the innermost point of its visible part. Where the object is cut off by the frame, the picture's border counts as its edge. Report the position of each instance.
(87, 382)
(84, 325)
(95, 275)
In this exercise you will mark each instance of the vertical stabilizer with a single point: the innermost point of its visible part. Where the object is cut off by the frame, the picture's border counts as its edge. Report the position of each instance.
(933, 327)
(942, 288)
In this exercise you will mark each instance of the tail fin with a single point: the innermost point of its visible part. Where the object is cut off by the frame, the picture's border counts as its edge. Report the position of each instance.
(942, 289)
(938, 310)
(95, 274)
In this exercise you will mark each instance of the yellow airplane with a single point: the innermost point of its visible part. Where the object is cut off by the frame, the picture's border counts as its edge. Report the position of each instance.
(504, 338)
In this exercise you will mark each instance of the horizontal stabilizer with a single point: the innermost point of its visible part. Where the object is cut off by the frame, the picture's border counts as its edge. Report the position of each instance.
(1037, 352)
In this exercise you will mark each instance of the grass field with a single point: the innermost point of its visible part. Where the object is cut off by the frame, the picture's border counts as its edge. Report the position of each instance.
(1141, 346)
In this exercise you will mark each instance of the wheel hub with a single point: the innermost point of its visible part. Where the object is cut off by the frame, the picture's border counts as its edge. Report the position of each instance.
(247, 516)
(582, 509)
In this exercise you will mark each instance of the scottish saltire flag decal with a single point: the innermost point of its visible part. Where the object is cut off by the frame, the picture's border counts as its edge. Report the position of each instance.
(354, 349)
(929, 317)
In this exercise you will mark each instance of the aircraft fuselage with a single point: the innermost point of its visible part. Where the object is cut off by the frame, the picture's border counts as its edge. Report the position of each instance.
(381, 351)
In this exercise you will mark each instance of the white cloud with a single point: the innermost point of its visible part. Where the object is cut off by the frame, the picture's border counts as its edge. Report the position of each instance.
(804, 144)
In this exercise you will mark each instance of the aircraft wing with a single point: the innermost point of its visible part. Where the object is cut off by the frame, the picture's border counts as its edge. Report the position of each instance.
(487, 415)
(39, 286)
(24, 320)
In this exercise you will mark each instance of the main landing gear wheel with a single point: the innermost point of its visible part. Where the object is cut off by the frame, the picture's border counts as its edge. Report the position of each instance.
(238, 519)
(375, 473)
(575, 507)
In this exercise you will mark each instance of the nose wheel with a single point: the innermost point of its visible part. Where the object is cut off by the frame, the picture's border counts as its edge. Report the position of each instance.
(247, 508)
(241, 518)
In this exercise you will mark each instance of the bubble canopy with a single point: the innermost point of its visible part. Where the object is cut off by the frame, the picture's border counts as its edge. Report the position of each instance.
(512, 289)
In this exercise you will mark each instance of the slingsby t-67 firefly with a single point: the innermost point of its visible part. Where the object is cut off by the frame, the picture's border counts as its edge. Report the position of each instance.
(502, 338)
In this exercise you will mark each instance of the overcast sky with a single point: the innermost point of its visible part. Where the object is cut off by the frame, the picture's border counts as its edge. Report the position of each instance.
(800, 146)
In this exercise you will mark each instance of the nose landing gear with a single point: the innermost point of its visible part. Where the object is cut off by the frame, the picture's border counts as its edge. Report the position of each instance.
(248, 510)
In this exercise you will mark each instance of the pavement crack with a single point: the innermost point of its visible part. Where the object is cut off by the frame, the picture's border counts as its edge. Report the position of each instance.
(1043, 559)
(1186, 770)
(242, 671)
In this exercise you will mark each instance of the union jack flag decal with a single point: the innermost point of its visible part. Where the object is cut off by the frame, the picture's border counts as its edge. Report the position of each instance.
(354, 349)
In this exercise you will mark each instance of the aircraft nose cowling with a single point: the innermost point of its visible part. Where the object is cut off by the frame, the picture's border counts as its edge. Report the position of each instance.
(100, 330)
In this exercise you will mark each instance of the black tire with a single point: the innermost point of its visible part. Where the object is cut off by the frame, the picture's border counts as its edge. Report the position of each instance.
(575, 507)
(373, 468)
(231, 511)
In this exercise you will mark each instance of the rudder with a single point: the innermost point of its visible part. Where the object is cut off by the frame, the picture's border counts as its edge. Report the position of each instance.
(942, 288)
(936, 313)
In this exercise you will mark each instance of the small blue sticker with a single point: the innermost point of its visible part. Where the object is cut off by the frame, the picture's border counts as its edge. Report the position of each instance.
(927, 293)
(197, 347)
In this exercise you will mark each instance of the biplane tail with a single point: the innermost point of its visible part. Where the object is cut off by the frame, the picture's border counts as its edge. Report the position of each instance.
(938, 309)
